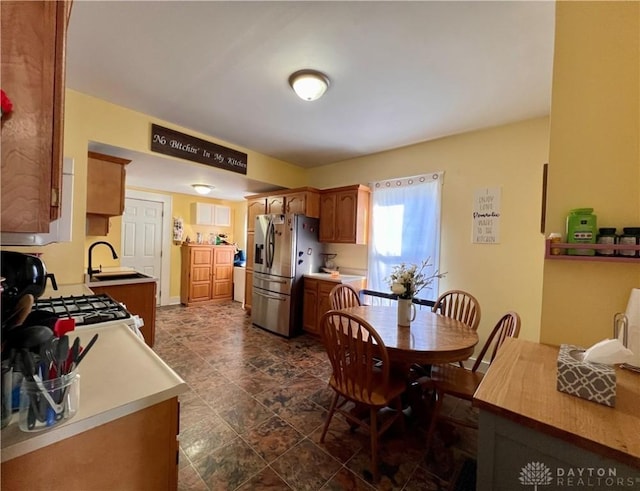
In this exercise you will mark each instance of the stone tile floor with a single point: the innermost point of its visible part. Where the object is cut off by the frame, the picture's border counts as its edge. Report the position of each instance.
(253, 414)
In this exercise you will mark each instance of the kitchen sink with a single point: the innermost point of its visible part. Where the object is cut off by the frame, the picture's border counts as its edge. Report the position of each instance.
(133, 275)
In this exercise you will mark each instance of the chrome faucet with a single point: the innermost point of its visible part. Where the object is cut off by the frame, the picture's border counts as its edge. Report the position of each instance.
(90, 270)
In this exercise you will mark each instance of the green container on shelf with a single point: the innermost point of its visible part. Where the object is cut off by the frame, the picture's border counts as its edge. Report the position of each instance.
(582, 228)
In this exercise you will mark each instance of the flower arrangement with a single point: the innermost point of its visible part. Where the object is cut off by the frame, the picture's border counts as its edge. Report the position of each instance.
(407, 281)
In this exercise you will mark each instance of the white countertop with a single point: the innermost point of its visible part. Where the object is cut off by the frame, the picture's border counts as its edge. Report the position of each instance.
(115, 270)
(76, 290)
(119, 376)
(343, 278)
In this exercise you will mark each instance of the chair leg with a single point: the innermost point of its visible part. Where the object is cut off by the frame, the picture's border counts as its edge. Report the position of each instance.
(332, 410)
(434, 417)
(400, 414)
(373, 428)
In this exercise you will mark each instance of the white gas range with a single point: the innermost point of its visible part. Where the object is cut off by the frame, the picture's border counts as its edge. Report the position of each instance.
(89, 310)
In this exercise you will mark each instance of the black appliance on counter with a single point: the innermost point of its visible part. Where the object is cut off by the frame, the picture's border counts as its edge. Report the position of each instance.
(22, 274)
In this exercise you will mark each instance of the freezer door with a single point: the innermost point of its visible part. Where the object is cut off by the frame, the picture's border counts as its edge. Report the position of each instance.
(271, 311)
(274, 245)
(272, 283)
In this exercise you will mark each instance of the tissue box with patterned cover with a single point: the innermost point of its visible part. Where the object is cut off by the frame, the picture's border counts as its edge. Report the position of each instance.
(592, 381)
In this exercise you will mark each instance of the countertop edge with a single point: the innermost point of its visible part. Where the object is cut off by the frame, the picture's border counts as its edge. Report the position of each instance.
(116, 270)
(343, 278)
(487, 403)
(167, 383)
(133, 281)
(72, 428)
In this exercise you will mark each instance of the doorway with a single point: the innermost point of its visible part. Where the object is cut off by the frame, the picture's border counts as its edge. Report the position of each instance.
(146, 231)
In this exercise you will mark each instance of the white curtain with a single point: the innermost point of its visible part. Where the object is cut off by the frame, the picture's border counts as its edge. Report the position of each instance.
(405, 227)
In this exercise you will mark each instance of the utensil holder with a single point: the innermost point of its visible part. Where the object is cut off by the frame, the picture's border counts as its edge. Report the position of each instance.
(7, 383)
(49, 403)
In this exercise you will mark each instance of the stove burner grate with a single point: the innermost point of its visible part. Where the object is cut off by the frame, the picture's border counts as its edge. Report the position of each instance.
(85, 309)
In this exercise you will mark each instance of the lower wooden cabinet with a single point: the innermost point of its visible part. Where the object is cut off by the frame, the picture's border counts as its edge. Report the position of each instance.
(206, 274)
(138, 451)
(316, 301)
(140, 299)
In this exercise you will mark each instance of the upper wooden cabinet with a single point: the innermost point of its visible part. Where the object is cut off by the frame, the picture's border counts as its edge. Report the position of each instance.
(275, 204)
(105, 184)
(255, 207)
(105, 191)
(306, 203)
(344, 215)
(32, 61)
(210, 214)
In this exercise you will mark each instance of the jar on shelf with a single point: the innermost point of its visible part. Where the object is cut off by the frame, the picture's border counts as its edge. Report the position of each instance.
(607, 235)
(555, 238)
(631, 236)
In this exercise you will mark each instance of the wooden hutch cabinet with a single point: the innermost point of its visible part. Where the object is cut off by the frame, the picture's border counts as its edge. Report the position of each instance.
(206, 273)
(33, 38)
(344, 215)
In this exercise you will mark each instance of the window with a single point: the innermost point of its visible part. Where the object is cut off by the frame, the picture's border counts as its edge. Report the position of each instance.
(405, 227)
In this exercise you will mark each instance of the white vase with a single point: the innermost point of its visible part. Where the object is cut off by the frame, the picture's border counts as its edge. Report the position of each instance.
(406, 311)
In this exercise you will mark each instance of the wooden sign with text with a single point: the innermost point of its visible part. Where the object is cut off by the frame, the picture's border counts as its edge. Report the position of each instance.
(486, 216)
(176, 144)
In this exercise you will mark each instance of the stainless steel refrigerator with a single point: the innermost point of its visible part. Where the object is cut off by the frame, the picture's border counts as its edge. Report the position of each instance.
(286, 248)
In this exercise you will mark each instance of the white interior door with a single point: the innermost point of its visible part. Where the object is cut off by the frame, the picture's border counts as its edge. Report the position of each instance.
(142, 237)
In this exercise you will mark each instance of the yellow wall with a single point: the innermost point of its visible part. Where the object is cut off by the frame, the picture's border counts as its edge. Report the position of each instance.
(506, 276)
(89, 119)
(594, 161)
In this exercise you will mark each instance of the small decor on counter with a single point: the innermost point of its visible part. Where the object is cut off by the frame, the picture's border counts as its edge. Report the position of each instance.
(591, 381)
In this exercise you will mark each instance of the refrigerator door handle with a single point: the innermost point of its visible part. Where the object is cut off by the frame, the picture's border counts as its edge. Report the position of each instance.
(281, 299)
(271, 244)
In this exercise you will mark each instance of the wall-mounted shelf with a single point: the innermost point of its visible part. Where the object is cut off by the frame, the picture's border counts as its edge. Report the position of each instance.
(606, 259)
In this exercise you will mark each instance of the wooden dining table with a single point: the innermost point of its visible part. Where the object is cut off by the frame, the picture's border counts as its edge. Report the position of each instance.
(431, 338)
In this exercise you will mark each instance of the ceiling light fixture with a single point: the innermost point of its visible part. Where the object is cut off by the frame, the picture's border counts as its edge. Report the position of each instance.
(309, 84)
(202, 188)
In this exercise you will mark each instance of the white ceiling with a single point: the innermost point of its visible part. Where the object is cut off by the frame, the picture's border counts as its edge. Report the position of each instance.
(401, 73)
